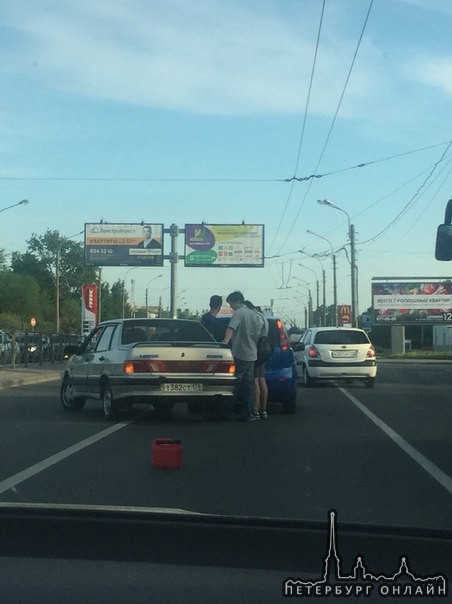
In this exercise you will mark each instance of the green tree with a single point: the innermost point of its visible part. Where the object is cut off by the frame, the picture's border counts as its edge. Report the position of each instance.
(57, 264)
(20, 296)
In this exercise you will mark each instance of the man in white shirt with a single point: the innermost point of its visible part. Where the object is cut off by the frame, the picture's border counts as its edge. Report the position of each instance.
(245, 328)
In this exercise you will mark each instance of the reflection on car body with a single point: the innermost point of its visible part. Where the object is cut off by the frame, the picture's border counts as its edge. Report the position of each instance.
(158, 361)
(332, 353)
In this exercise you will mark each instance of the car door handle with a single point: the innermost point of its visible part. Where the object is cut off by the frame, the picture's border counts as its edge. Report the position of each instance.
(101, 358)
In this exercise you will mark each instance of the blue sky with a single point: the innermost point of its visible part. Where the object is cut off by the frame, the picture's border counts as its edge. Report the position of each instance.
(171, 111)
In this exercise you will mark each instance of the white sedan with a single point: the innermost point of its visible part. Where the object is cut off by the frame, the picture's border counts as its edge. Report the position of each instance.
(158, 361)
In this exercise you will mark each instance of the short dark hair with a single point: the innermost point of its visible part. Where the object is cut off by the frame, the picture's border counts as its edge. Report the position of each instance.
(235, 297)
(215, 301)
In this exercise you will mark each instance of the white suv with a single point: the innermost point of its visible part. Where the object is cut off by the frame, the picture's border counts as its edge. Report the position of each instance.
(335, 353)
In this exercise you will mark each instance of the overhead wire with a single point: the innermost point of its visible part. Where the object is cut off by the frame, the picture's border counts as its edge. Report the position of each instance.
(303, 128)
(413, 198)
(336, 113)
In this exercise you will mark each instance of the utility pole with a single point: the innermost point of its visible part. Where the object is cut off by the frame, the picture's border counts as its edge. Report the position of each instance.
(354, 279)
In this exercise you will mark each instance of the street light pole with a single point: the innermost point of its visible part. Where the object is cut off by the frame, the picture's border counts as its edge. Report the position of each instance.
(24, 202)
(317, 288)
(354, 270)
(333, 255)
(147, 285)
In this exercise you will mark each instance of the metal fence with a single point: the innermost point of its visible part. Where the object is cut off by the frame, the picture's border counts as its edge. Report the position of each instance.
(34, 348)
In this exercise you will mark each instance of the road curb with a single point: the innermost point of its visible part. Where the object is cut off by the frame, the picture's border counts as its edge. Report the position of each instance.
(11, 378)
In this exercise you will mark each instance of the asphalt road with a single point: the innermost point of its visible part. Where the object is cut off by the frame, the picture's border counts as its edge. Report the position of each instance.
(377, 455)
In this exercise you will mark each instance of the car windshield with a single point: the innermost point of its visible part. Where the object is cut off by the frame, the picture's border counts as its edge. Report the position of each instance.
(166, 168)
(341, 336)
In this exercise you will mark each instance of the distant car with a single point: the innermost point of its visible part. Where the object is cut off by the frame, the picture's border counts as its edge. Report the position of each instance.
(280, 368)
(335, 353)
(158, 361)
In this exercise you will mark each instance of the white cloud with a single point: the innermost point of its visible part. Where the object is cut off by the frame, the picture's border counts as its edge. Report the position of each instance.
(434, 71)
(213, 57)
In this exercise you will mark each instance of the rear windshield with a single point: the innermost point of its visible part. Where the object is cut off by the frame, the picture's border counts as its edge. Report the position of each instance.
(342, 336)
(161, 330)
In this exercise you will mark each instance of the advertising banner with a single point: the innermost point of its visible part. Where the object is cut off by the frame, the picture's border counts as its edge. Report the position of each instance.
(425, 302)
(345, 314)
(89, 308)
(124, 244)
(226, 245)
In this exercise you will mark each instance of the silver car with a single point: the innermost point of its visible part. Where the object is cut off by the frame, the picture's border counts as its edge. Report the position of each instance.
(158, 361)
(335, 353)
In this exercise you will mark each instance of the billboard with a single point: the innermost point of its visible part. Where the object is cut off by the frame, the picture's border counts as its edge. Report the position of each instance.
(224, 245)
(412, 302)
(123, 244)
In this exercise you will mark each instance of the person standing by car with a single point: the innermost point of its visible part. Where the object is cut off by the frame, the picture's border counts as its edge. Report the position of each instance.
(244, 330)
(260, 384)
(209, 319)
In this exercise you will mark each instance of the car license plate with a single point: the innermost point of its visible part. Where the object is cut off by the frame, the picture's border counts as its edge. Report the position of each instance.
(343, 354)
(181, 387)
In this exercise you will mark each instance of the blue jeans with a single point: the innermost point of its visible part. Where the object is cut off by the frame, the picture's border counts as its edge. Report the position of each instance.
(244, 390)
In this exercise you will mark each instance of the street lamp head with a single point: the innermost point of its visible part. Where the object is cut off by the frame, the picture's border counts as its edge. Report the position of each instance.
(24, 202)
(325, 202)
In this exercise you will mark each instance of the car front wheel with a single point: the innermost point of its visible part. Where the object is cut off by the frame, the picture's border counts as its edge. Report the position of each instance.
(68, 399)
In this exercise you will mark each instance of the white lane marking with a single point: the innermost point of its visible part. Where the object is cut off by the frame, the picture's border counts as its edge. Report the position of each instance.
(440, 476)
(13, 481)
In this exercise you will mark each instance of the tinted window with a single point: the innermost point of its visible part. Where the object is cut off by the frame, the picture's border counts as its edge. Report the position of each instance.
(342, 336)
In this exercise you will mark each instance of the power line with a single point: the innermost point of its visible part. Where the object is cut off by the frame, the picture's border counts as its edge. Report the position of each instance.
(256, 180)
(341, 98)
(412, 198)
(308, 98)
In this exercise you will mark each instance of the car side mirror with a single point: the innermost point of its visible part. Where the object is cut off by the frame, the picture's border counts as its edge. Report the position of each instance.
(443, 248)
(71, 350)
(299, 346)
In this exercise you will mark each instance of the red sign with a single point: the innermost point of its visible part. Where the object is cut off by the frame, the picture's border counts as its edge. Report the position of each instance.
(345, 313)
(90, 298)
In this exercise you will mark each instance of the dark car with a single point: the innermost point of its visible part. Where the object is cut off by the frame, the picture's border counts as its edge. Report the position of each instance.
(280, 368)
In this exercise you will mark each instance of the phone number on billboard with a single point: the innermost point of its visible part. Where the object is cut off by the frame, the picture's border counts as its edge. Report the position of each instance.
(101, 251)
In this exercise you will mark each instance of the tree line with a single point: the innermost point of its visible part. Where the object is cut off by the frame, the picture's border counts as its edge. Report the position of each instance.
(30, 281)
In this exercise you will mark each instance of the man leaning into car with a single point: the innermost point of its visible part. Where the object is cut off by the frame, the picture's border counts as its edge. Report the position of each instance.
(244, 330)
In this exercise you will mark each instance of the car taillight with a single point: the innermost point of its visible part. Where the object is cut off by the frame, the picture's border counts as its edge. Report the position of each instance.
(158, 366)
(283, 339)
(313, 352)
(371, 354)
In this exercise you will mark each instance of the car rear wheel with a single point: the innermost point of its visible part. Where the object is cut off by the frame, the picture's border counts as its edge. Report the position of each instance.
(290, 405)
(306, 379)
(68, 399)
(370, 382)
(109, 405)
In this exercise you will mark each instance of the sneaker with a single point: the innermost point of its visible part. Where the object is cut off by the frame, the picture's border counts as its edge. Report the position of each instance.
(263, 414)
(254, 416)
